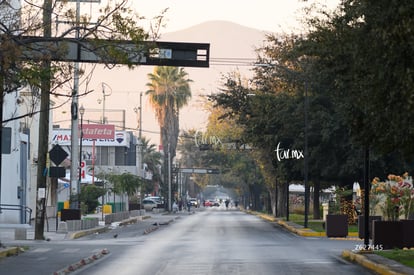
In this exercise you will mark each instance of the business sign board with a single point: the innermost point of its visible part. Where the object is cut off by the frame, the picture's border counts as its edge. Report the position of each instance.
(63, 138)
(98, 131)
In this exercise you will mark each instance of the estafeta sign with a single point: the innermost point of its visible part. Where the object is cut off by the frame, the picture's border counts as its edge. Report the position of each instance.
(98, 131)
(63, 137)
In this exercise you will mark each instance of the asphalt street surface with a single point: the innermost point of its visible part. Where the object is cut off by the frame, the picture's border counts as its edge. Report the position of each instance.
(209, 241)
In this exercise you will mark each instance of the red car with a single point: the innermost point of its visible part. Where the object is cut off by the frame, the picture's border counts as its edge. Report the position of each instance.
(208, 203)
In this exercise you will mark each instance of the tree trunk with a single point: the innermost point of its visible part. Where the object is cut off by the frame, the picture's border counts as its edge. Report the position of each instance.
(281, 199)
(43, 131)
(316, 191)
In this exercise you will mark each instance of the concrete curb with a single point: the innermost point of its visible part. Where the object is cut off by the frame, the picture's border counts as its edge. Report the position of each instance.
(362, 260)
(305, 232)
(82, 233)
(10, 251)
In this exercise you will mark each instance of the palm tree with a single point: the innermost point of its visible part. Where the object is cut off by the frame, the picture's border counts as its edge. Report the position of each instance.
(169, 91)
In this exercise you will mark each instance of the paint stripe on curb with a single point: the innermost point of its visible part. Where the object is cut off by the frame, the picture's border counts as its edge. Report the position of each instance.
(10, 251)
(82, 263)
(365, 262)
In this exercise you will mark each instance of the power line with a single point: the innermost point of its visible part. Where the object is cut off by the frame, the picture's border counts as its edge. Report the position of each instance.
(230, 61)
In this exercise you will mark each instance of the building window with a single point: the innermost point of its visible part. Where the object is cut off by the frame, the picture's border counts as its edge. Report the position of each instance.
(120, 155)
(102, 155)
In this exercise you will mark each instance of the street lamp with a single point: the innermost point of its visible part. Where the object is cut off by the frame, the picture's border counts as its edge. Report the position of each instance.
(81, 112)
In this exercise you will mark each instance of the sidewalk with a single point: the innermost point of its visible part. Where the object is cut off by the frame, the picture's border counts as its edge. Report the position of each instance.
(10, 246)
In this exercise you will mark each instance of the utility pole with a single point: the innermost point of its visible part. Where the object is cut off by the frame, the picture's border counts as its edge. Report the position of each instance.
(140, 145)
(140, 116)
(43, 144)
(74, 142)
(141, 148)
(104, 95)
(169, 178)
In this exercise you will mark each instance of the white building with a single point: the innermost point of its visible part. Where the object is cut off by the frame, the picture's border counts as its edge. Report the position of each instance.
(19, 156)
(19, 140)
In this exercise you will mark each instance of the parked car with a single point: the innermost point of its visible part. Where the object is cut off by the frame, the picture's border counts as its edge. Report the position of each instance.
(193, 202)
(208, 203)
(149, 204)
(158, 200)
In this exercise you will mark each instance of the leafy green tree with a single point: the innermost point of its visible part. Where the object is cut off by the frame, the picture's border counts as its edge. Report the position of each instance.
(152, 158)
(362, 51)
(125, 183)
(255, 112)
(89, 196)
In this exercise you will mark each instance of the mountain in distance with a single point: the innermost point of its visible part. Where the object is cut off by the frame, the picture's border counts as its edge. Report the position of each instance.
(231, 49)
(227, 40)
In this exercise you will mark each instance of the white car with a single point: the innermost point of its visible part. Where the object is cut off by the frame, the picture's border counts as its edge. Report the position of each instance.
(149, 204)
(155, 198)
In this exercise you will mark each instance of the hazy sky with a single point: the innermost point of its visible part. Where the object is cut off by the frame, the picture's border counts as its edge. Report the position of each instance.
(125, 85)
(266, 15)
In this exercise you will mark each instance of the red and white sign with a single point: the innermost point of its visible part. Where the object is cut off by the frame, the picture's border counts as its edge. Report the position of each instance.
(98, 131)
(119, 139)
(82, 166)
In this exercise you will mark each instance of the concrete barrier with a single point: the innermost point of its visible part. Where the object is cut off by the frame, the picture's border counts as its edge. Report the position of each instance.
(20, 230)
(74, 225)
(20, 234)
(62, 227)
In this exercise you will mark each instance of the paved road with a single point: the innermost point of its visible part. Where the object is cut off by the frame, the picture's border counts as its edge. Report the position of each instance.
(226, 242)
(207, 242)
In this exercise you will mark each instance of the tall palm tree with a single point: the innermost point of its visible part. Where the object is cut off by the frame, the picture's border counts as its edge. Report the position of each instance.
(169, 91)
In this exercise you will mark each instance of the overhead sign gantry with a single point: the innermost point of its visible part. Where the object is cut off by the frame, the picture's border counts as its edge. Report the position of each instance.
(199, 170)
(157, 53)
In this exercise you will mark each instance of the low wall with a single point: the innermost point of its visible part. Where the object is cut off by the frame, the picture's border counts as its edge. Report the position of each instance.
(116, 217)
(76, 225)
(88, 223)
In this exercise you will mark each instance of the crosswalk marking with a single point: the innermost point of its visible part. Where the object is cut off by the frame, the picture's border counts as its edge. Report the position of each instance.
(65, 250)
(41, 250)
